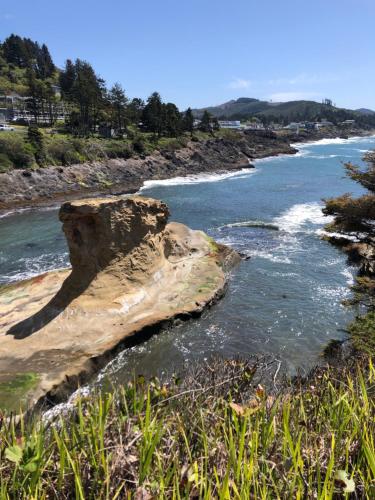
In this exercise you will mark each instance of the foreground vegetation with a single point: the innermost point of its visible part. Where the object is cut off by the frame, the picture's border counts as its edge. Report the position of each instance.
(215, 434)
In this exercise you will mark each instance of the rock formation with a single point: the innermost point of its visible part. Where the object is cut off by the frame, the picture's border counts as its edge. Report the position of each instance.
(130, 270)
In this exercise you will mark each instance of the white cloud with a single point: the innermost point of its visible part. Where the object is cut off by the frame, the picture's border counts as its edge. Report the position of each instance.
(239, 83)
(7, 16)
(293, 96)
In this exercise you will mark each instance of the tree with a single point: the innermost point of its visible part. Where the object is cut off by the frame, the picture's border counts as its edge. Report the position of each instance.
(15, 51)
(86, 92)
(135, 110)
(205, 124)
(45, 66)
(152, 116)
(118, 102)
(35, 138)
(66, 79)
(188, 121)
(355, 215)
(172, 120)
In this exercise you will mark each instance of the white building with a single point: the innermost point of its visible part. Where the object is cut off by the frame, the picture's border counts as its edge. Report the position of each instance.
(235, 124)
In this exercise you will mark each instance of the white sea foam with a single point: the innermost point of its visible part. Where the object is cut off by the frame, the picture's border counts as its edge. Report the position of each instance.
(336, 140)
(65, 408)
(34, 266)
(296, 218)
(28, 209)
(348, 274)
(198, 179)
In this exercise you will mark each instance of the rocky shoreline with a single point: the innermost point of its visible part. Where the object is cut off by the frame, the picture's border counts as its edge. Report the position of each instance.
(28, 188)
(46, 186)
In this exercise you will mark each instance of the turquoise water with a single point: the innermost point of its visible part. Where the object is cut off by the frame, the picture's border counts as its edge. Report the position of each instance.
(285, 300)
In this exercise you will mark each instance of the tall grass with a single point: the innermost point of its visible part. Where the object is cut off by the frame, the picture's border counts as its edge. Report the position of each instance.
(216, 434)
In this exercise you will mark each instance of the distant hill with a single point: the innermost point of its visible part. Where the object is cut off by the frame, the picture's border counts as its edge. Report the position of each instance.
(365, 111)
(245, 108)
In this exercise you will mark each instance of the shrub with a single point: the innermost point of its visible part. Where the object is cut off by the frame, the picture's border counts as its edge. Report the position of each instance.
(139, 145)
(118, 149)
(18, 152)
(61, 151)
(5, 163)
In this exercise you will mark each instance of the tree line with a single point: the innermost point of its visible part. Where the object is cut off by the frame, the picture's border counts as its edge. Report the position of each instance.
(88, 104)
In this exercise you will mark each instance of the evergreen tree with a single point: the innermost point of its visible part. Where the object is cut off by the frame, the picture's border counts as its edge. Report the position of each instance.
(118, 102)
(35, 138)
(355, 215)
(45, 66)
(66, 79)
(85, 91)
(172, 120)
(15, 52)
(188, 121)
(205, 124)
(135, 110)
(152, 116)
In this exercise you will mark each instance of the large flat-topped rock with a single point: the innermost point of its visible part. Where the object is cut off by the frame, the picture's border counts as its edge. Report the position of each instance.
(130, 270)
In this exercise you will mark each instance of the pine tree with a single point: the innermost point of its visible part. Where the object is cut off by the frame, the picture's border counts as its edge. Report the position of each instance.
(172, 120)
(118, 102)
(67, 78)
(45, 66)
(205, 124)
(152, 116)
(355, 215)
(35, 138)
(188, 121)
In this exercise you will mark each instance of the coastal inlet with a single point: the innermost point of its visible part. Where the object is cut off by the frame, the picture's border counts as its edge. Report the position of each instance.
(285, 300)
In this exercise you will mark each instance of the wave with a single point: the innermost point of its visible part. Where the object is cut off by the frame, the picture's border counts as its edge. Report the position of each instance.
(263, 254)
(197, 179)
(253, 224)
(285, 156)
(336, 140)
(349, 275)
(296, 218)
(34, 266)
(16, 211)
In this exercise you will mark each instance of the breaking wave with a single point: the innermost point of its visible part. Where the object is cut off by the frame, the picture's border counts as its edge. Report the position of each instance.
(197, 179)
(298, 217)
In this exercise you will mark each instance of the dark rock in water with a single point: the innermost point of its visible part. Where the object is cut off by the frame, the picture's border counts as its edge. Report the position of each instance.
(244, 256)
(255, 224)
(26, 173)
(31, 245)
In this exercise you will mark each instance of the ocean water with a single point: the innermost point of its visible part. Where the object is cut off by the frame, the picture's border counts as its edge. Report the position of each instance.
(285, 300)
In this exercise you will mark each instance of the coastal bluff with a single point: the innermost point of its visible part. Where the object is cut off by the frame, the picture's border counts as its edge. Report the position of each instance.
(132, 272)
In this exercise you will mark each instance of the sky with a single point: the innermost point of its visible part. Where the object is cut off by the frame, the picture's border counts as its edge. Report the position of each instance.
(205, 52)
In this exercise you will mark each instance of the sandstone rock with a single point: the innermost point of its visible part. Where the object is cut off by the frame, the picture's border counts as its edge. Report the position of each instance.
(130, 270)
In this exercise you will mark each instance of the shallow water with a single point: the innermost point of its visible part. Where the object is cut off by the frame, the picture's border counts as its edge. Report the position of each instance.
(285, 300)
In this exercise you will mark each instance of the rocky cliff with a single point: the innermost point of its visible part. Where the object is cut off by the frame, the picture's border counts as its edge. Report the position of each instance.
(20, 188)
(131, 270)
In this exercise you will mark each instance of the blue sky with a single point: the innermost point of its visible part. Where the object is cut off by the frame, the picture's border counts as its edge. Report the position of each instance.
(205, 52)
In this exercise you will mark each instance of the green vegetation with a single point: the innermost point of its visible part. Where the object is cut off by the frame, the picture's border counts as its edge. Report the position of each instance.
(14, 390)
(88, 120)
(356, 216)
(284, 112)
(215, 434)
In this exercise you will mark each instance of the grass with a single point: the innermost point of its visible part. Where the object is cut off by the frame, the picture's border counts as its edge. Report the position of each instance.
(215, 434)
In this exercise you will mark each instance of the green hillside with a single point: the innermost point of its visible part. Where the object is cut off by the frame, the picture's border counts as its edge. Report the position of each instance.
(284, 112)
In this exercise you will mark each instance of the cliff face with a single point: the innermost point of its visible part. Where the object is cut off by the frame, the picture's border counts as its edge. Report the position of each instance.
(23, 188)
(130, 270)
